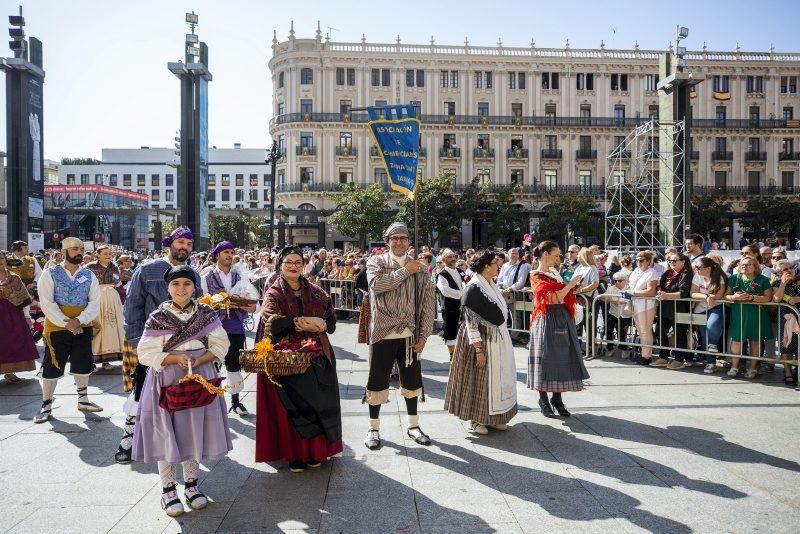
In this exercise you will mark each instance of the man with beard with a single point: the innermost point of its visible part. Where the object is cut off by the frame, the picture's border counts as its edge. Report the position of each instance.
(146, 292)
(70, 299)
(222, 278)
(450, 283)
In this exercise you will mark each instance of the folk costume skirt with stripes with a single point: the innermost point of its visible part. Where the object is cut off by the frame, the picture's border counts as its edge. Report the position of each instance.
(555, 364)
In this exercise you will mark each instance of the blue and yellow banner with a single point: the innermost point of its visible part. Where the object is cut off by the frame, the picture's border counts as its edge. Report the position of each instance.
(397, 139)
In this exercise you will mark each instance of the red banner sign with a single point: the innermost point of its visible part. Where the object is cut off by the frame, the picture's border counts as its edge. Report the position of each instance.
(95, 189)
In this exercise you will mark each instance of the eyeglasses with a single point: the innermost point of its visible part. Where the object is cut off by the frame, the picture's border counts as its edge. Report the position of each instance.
(399, 239)
(674, 260)
(777, 257)
(294, 263)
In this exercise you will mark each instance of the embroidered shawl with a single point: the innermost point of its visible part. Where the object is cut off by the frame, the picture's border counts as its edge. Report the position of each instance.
(543, 287)
(164, 323)
(15, 291)
(105, 275)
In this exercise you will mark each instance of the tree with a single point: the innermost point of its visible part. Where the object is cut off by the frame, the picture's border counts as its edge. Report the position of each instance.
(573, 212)
(360, 212)
(472, 198)
(709, 214)
(224, 228)
(439, 208)
(508, 219)
(771, 215)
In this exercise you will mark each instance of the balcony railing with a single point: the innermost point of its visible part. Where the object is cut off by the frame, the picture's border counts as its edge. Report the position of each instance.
(718, 155)
(449, 152)
(752, 155)
(585, 154)
(305, 151)
(741, 190)
(486, 153)
(346, 151)
(788, 156)
(517, 153)
(514, 120)
(308, 187)
(551, 153)
(695, 155)
(542, 189)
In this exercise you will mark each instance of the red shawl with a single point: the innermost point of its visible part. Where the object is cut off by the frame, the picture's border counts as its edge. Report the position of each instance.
(543, 286)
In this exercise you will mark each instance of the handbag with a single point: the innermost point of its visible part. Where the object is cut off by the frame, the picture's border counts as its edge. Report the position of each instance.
(193, 391)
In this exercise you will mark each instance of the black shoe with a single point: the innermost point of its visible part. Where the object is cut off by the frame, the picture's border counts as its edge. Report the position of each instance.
(314, 463)
(644, 361)
(418, 435)
(561, 409)
(297, 466)
(547, 411)
(123, 456)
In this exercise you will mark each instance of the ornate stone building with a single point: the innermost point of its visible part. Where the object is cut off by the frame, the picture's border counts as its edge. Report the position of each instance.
(544, 118)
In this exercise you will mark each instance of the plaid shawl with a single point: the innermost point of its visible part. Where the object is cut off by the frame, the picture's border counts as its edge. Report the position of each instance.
(15, 291)
(162, 322)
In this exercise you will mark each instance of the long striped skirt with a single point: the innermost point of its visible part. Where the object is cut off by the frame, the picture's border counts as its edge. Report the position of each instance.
(555, 362)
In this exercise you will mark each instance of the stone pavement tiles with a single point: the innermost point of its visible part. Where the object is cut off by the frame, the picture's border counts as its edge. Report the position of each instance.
(646, 450)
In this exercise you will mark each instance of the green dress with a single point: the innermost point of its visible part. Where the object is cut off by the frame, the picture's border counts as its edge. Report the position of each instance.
(749, 321)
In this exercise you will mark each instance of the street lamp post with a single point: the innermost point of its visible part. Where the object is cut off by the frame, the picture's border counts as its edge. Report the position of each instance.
(273, 155)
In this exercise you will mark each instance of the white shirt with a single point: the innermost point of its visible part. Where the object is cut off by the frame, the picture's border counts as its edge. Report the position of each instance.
(444, 287)
(638, 281)
(226, 279)
(53, 312)
(507, 280)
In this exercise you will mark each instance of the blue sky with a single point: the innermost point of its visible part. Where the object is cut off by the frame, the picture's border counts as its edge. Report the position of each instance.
(108, 85)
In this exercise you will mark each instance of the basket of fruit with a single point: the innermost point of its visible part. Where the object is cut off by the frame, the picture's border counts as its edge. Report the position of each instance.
(287, 357)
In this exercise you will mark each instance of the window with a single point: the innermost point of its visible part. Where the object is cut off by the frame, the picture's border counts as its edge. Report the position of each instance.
(417, 106)
(619, 115)
(306, 105)
(266, 195)
(281, 79)
(281, 109)
(307, 176)
(226, 195)
(550, 80)
(85, 179)
(385, 78)
(787, 181)
(444, 78)
(516, 80)
(155, 195)
(754, 181)
(787, 145)
(619, 140)
(267, 181)
(141, 191)
(454, 79)
(721, 144)
(517, 176)
(420, 78)
(754, 115)
(788, 113)
(170, 195)
(550, 180)
(586, 114)
(550, 143)
(516, 142)
(550, 113)
(306, 76)
(339, 76)
(155, 180)
(169, 180)
(380, 104)
(282, 144)
(71, 179)
(211, 195)
(112, 180)
(253, 180)
(98, 179)
(483, 109)
(755, 84)
(281, 177)
(720, 180)
(226, 180)
(521, 80)
(409, 77)
(252, 195)
(585, 181)
(351, 77)
(381, 176)
(239, 195)
(516, 109)
(345, 139)
(585, 143)
(449, 108)
(479, 80)
(753, 144)
(375, 77)
(306, 139)
(449, 141)
(584, 81)
(346, 175)
(650, 82)
(720, 115)
(619, 82)
(212, 180)
(415, 78)
(126, 180)
(483, 140)
(484, 176)
(618, 177)
(788, 84)
(140, 179)
(652, 112)
(721, 84)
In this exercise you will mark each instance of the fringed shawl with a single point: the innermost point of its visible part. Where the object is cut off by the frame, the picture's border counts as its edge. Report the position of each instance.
(14, 291)
(543, 286)
(164, 323)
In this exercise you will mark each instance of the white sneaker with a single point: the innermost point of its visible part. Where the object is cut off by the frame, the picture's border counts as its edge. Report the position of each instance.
(712, 348)
(710, 368)
(170, 502)
(478, 428)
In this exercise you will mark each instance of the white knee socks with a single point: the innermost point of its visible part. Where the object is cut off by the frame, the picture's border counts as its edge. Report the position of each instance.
(48, 388)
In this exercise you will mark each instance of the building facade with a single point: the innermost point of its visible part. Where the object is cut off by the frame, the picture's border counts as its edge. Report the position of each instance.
(543, 118)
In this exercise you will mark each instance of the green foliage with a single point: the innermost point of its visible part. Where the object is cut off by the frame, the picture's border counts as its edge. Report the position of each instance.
(360, 211)
(508, 219)
(772, 215)
(573, 211)
(80, 161)
(709, 214)
(224, 228)
(440, 210)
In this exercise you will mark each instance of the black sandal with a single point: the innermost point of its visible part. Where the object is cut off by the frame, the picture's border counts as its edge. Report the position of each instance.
(192, 484)
(418, 435)
(789, 380)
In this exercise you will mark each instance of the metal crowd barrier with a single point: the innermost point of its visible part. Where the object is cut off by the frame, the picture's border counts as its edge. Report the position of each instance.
(520, 306)
(692, 320)
(343, 293)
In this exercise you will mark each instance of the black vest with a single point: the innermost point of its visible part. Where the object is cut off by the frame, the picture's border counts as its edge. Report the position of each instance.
(452, 305)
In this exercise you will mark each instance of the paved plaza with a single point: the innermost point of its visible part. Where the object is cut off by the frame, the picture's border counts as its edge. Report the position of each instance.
(645, 450)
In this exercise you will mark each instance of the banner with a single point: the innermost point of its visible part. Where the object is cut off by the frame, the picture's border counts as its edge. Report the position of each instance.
(397, 140)
(202, 137)
(33, 128)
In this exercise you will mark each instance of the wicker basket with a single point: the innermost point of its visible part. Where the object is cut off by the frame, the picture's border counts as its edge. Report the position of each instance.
(277, 363)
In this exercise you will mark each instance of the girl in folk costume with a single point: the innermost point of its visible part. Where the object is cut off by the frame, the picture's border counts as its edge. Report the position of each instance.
(555, 364)
(20, 352)
(108, 343)
(301, 420)
(178, 332)
(482, 387)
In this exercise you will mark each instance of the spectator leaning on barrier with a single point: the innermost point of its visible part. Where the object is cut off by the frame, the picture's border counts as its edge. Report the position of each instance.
(787, 290)
(570, 263)
(674, 284)
(642, 287)
(708, 287)
(748, 321)
(619, 315)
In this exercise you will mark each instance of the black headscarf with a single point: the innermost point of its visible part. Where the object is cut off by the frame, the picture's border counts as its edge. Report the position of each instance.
(289, 250)
(180, 271)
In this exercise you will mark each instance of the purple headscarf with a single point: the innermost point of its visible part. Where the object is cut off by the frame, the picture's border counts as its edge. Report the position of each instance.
(182, 232)
(222, 245)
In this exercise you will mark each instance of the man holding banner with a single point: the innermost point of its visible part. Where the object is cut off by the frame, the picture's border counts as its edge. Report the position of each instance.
(401, 295)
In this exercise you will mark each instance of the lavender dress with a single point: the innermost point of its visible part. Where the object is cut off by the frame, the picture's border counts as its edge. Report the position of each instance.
(196, 433)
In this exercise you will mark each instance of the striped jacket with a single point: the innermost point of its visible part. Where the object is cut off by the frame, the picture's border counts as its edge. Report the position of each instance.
(392, 300)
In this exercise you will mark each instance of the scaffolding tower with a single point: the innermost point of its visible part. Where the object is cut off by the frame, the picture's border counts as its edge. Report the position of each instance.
(644, 211)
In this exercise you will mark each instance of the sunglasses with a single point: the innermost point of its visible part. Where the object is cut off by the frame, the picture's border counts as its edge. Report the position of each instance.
(672, 262)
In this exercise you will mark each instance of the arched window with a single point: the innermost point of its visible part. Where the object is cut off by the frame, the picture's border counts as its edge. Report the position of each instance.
(306, 76)
(311, 218)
